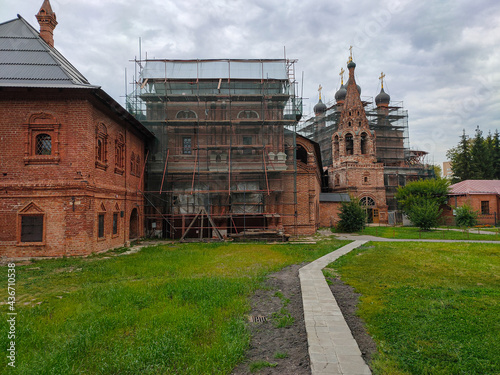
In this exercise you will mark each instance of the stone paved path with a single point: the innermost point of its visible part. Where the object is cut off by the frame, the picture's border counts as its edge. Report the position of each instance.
(332, 348)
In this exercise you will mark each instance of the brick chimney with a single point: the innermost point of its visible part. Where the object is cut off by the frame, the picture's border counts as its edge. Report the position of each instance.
(47, 20)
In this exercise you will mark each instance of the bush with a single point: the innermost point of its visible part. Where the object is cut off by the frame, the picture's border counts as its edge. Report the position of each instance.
(425, 214)
(352, 216)
(465, 216)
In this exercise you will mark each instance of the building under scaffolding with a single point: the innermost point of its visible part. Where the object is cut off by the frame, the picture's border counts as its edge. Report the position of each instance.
(223, 163)
(390, 123)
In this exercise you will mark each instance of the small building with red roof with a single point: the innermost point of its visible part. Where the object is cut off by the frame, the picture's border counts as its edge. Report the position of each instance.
(482, 195)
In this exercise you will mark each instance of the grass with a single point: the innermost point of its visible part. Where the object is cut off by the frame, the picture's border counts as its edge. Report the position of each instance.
(280, 355)
(169, 309)
(259, 365)
(415, 233)
(432, 308)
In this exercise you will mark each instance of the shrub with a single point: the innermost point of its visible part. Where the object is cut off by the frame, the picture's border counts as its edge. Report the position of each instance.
(352, 216)
(425, 214)
(465, 216)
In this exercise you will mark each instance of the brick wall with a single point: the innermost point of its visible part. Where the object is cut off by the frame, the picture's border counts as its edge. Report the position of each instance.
(67, 189)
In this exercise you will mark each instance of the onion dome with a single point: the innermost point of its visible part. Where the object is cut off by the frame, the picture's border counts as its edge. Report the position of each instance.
(341, 93)
(351, 64)
(319, 108)
(382, 98)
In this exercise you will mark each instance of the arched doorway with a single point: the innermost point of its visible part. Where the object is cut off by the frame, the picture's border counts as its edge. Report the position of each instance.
(134, 225)
(372, 213)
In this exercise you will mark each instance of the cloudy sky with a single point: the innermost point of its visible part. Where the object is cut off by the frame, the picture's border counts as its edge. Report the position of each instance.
(441, 57)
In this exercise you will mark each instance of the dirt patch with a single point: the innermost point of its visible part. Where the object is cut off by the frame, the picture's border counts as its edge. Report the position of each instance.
(269, 344)
(348, 299)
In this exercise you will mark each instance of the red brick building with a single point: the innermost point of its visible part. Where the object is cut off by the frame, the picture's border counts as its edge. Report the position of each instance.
(227, 162)
(482, 195)
(71, 158)
(355, 169)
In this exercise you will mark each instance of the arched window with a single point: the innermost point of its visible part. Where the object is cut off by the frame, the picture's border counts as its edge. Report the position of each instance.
(101, 158)
(248, 114)
(42, 139)
(43, 144)
(301, 154)
(349, 144)
(364, 143)
(337, 180)
(185, 114)
(336, 147)
(367, 201)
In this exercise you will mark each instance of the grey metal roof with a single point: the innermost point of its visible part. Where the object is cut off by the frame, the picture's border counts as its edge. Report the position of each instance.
(334, 197)
(215, 69)
(27, 61)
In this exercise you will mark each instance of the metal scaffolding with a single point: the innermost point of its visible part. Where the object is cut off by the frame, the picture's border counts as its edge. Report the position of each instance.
(390, 123)
(223, 161)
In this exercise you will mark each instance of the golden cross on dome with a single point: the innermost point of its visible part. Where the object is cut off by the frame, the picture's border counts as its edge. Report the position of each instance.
(319, 89)
(382, 76)
(341, 74)
(350, 52)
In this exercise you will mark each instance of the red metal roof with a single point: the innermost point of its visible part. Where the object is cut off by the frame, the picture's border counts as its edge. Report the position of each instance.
(476, 187)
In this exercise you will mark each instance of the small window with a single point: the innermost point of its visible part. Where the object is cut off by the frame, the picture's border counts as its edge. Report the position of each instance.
(115, 223)
(485, 207)
(101, 225)
(186, 145)
(43, 144)
(32, 228)
(42, 140)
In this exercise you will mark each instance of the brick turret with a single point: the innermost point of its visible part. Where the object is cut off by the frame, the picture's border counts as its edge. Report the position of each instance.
(47, 20)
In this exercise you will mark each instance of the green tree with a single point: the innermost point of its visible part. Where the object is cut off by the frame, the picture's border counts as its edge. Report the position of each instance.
(489, 160)
(352, 216)
(465, 216)
(421, 201)
(425, 214)
(496, 155)
(479, 156)
(461, 160)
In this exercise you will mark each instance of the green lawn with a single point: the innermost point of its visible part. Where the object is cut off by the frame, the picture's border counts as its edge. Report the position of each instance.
(432, 308)
(173, 309)
(415, 233)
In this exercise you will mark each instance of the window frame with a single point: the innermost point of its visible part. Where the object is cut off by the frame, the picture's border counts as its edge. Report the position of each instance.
(39, 124)
(485, 207)
(101, 153)
(21, 227)
(101, 230)
(116, 224)
(120, 154)
(187, 150)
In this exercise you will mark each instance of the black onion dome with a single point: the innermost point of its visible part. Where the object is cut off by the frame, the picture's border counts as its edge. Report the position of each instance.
(320, 107)
(382, 97)
(341, 93)
(351, 64)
